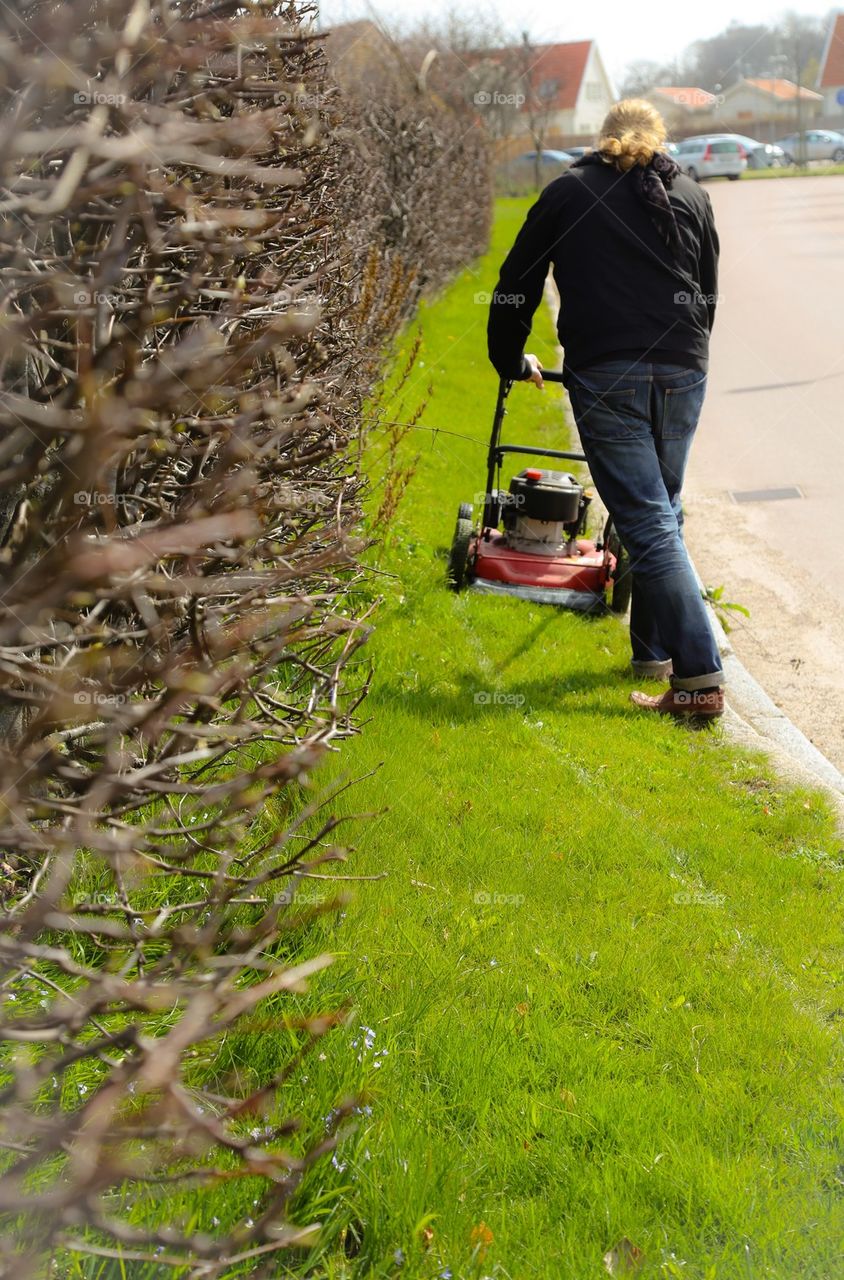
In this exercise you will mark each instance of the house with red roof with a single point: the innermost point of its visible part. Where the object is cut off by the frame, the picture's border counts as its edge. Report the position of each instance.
(563, 90)
(831, 76)
(754, 100)
(571, 84)
(683, 107)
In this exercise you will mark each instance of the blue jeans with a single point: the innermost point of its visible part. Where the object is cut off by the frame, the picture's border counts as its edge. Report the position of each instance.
(636, 424)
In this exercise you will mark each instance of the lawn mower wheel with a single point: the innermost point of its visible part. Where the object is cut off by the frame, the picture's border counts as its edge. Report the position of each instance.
(458, 559)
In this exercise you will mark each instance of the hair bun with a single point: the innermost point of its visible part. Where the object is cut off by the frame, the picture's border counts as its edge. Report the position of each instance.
(632, 133)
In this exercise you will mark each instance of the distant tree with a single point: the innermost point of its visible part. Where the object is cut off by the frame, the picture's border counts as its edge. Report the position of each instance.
(757, 51)
(642, 75)
(540, 98)
(798, 40)
(494, 86)
(790, 47)
(468, 56)
(726, 58)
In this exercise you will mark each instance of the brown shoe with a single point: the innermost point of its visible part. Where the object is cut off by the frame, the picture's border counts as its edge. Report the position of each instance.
(683, 702)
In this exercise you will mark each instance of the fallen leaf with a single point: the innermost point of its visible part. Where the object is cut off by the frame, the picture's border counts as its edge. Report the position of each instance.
(569, 1100)
(522, 1008)
(481, 1238)
(427, 1237)
(623, 1258)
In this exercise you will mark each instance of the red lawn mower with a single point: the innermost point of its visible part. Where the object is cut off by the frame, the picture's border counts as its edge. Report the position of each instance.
(542, 553)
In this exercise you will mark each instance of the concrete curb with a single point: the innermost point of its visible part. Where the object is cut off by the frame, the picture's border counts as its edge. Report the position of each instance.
(755, 719)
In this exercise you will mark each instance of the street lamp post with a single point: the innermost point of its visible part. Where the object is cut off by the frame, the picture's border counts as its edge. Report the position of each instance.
(801, 141)
(781, 66)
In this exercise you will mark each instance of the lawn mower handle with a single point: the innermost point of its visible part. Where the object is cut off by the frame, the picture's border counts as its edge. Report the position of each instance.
(497, 450)
(548, 375)
(540, 453)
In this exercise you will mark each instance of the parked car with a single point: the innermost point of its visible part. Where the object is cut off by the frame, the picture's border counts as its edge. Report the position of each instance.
(760, 155)
(522, 174)
(711, 156)
(813, 144)
(577, 153)
(546, 158)
(671, 148)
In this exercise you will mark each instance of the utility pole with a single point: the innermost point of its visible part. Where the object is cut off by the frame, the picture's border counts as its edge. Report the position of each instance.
(801, 141)
(794, 60)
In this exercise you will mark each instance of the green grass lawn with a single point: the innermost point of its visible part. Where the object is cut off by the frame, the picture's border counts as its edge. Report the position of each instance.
(601, 979)
(794, 171)
(596, 989)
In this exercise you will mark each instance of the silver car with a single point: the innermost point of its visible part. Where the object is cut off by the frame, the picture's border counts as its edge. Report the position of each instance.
(760, 155)
(548, 159)
(711, 157)
(813, 144)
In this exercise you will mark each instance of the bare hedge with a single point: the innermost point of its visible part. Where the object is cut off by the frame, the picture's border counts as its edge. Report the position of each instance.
(422, 145)
(199, 279)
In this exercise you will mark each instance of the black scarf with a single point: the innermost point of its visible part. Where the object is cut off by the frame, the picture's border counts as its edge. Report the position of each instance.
(653, 182)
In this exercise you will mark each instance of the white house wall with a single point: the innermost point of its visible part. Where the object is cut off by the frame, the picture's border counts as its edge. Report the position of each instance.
(595, 98)
(761, 106)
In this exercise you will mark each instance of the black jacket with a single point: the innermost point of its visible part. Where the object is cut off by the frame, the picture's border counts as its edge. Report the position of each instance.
(624, 293)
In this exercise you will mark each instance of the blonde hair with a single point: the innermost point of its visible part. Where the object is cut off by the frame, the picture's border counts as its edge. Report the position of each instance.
(632, 133)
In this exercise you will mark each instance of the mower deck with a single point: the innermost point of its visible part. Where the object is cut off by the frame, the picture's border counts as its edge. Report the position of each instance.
(575, 582)
(563, 597)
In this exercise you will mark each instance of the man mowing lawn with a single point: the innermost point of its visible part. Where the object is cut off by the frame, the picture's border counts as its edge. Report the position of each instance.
(634, 251)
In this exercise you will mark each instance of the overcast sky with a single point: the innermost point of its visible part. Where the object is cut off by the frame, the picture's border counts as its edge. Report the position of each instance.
(625, 31)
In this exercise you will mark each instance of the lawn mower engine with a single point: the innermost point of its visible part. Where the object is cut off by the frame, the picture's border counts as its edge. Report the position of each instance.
(541, 554)
(544, 512)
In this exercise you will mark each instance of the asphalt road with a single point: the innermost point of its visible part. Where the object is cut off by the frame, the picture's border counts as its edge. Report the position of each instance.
(774, 419)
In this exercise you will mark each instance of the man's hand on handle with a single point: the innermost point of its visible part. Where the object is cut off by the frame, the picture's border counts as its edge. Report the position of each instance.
(535, 375)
